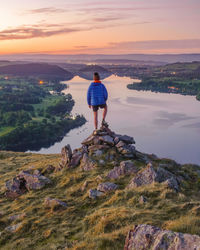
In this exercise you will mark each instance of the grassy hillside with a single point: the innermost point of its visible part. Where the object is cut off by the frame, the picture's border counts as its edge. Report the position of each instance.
(101, 223)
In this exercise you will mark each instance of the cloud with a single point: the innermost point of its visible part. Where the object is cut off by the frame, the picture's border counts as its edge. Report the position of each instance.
(27, 32)
(47, 10)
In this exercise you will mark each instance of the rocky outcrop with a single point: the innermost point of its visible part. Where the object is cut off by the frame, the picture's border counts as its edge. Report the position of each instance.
(125, 168)
(107, 187)
(24, 182)
(87, 163)
(66, 155)
(150, 174)
(147, 237)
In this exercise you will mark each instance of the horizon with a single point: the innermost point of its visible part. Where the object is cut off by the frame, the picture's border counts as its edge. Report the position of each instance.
(107, 27)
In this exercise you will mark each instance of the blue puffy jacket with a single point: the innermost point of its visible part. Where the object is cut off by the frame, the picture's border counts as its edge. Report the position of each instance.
(97, 94)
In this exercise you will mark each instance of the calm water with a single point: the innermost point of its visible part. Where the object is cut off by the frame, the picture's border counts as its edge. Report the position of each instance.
(167, 125)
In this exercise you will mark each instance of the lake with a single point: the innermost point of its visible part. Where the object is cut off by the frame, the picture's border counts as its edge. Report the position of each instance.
(167, 125)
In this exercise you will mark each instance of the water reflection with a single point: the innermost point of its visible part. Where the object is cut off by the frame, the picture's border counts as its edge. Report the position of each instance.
(164, 124)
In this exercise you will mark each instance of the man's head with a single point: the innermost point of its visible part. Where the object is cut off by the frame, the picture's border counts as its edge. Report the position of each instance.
(96, 76)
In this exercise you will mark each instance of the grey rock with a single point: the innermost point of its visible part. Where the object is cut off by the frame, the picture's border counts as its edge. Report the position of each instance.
(15, 187)
(107, 187)
(87, 163)
(88, 141)
(120, 144)
(33, 182)
(116, 140)
(49, 169)
(107, 139)
(93, 148)
(125, 168)
(93, 193)
(14, 228)
(54, 203)
(98, 153)
(127, 139)
(150, 175)
(150, 237)
(76, 158)
(66, 155)
(172, 183)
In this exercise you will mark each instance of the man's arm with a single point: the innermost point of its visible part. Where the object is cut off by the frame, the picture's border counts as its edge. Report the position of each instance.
(105, 93)
(89, 96)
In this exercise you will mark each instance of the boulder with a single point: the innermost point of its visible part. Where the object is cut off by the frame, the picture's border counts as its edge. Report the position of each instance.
(107, 187)
(76, 158)
(149, 237)
(33, 181)
(15, 187)
(93, 193)
(94, 148)
(54, 204)
(66, 155)
(127, 139)
(150, 175)
(88, 141)
(87, 163)
(107, 139)
(125, 168)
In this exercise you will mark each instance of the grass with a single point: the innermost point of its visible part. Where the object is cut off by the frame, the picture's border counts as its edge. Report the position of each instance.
(6, 130)
(92, 224)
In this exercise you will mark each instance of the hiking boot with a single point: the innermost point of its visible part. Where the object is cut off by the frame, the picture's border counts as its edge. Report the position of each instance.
(104, 124)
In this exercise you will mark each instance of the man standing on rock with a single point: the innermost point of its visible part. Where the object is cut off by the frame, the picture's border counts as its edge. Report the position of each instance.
(97, 96)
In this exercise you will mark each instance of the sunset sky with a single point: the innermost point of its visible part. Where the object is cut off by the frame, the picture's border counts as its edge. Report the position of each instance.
(106, 27)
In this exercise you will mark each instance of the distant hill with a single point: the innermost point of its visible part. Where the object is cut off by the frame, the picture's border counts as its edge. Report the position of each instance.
(89, 58)
(88, 71)
(43, 70)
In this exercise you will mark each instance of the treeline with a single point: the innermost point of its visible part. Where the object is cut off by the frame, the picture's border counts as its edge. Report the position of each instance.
(32, 118)
(35, 135)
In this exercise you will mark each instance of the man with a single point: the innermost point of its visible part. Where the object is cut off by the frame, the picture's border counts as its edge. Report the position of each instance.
(97, 96)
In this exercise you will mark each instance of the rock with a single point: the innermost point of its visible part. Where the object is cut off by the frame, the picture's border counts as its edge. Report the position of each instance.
(87, 163)
(33, 181)
(1, 214)
(15, 187)
(93, 148)
(54, 204)
(107, 139)
(14, 228)
(116, 140)
(17, 217)
(76, 158)
(127, 150)
(120, 144)
(107, 187)
(142, 199)
(102, 162)
(93, 193)
(150, 237)
(88, 141)
(150, 175)
(141, 156)
(98, 153)
(125, 168)
(172, 183)
(66, 155)
(127, 139)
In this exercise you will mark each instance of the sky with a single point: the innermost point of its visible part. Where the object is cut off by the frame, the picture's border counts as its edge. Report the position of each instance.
(99, 27)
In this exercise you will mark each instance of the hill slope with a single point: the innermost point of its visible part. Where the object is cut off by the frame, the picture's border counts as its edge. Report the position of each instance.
(36, 69)
(92, 198)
